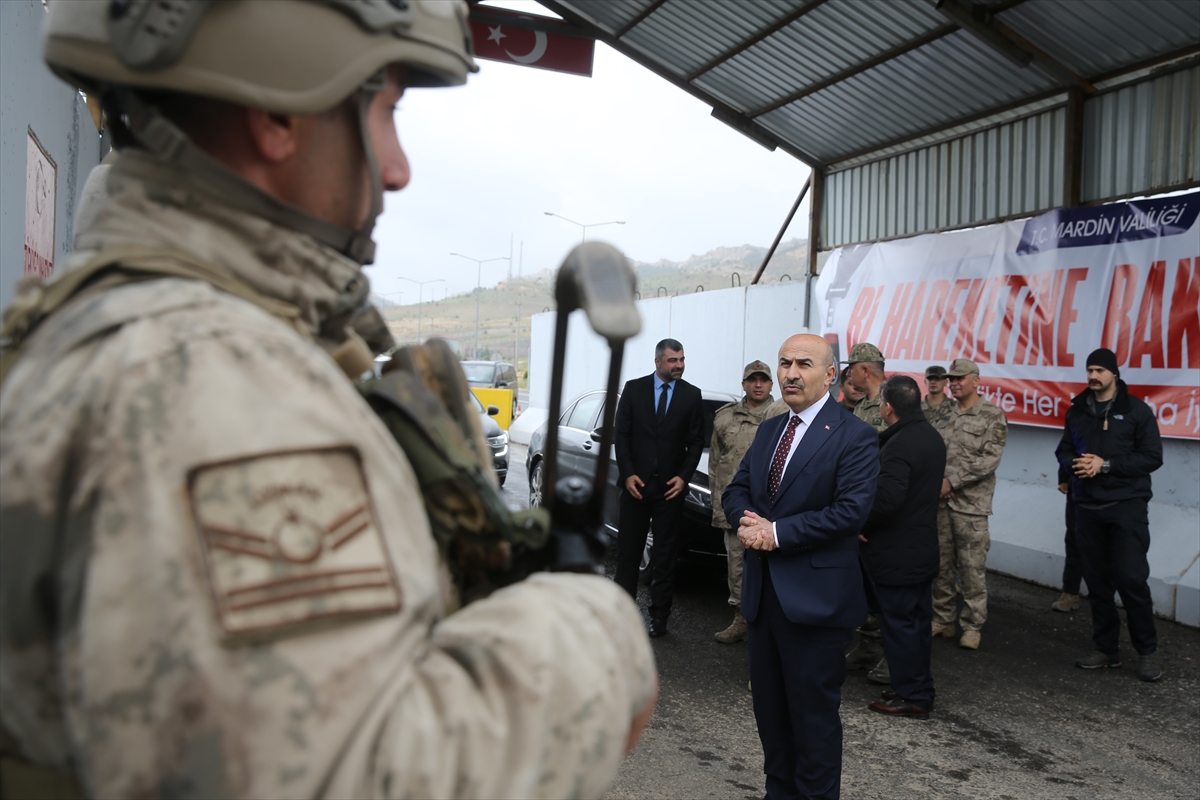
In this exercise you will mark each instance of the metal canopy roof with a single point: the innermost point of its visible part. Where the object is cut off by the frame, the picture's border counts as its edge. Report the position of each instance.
(834, 80)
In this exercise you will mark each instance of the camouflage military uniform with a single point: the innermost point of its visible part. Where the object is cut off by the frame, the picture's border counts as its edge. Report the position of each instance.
(975, 440)
(217, 578)
(734, 427)
(937, 415)
(870, 411)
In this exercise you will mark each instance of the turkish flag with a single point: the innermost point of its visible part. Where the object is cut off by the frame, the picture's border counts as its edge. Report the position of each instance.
(499, 40)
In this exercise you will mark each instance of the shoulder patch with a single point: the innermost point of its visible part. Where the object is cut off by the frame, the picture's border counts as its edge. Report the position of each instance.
(289, 539)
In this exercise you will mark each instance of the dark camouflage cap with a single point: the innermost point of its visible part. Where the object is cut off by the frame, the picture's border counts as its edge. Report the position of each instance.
(864, 351)
(756, 366)
(960, 367)
(935, 371)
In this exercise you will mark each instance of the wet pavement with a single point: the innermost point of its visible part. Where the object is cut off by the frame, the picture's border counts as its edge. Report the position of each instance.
(1015, 719)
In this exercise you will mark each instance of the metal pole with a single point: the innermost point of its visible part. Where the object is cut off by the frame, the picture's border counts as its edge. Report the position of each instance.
(421, 300)
(783, 230)
(478, 288)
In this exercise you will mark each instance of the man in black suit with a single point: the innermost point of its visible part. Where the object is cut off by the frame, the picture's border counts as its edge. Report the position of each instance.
(659, 441)
(900, 545)
(802, 494)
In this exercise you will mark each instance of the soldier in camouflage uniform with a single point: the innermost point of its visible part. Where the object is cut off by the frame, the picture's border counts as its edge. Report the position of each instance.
(218, 579)
(866, 373)
(851, 397)
(734, 426)
(975, 434)
(936, 405)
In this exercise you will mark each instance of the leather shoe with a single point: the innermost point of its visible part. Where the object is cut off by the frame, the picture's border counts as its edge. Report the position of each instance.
(888, 694)
(898, 707)
(657, 628)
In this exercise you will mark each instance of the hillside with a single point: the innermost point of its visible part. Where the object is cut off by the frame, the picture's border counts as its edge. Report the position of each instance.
(502, 306)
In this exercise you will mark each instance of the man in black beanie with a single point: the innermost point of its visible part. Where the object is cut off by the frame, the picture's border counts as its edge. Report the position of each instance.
(1110, 445)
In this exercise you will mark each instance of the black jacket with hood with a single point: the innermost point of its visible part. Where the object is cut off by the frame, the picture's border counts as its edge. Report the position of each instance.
(1126, 435)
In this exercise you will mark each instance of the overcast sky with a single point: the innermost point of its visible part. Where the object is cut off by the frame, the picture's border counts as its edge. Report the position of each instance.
(489, 158)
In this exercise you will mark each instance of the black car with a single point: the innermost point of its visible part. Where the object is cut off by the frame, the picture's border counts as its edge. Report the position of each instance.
(497, 439)
(578, 448)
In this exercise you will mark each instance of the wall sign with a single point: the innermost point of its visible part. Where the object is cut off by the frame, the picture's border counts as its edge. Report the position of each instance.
(41, 180)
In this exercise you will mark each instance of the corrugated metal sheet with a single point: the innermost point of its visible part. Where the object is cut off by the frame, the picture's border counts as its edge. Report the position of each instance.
(1009, 170)
(816, 47)
(685, 36)
(1111, 32)
(951, 78)
(611, 15)
(989, 121)
(1143, 138)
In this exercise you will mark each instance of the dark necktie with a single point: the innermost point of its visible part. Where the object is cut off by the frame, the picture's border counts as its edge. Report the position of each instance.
(781, 454)
(662, 403)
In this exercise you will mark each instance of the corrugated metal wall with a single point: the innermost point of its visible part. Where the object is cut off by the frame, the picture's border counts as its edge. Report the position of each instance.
(1138, 139)
(1008, 170)
(1142, 138)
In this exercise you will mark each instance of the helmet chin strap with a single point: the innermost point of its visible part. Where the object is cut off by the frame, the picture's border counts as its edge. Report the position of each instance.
(164, 139)
(362, 246)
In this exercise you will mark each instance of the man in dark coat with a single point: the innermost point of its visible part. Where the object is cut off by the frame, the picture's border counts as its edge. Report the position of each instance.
(900, 545)
(659, 439)
(1110, 445)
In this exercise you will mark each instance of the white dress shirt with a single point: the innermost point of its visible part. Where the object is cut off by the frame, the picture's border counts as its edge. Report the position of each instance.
(806, 417)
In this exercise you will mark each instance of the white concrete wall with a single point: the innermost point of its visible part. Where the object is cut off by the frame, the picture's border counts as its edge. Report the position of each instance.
(723, 330)
(31, 97)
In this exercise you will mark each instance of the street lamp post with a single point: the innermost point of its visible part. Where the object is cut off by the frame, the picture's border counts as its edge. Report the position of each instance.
(479, 262)
(581, 225)
(420, 297)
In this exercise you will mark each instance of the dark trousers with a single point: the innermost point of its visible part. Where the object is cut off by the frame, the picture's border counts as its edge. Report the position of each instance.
(1073, 567)
(905, 617)
(633, 523)
(797, 672)
(1113, 541)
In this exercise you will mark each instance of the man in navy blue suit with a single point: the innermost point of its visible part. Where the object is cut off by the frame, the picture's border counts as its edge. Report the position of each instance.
(802, 493)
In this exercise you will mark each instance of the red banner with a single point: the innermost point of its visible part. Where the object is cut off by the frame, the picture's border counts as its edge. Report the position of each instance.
(507, 36)
(1045, 403)
(1029, 299)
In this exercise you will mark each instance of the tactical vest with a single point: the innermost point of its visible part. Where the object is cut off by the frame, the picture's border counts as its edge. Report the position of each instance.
(422, 398)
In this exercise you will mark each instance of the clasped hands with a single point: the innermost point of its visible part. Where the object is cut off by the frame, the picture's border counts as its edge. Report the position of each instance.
(756, 533)
(1087, 465)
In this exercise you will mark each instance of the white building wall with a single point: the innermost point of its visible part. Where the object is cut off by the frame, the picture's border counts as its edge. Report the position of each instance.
(723, 330)
(32, 98)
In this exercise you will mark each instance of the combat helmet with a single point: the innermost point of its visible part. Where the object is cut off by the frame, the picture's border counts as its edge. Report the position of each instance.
(282, 56)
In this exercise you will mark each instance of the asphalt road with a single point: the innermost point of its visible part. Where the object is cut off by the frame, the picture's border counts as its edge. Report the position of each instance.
(1013, 720)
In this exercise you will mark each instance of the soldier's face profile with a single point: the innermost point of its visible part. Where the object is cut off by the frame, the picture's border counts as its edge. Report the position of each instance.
(332, 180)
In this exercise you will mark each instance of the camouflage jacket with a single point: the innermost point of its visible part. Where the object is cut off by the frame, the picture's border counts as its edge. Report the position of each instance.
(734, 427)
(870, 411)
(938, 414)
(247, 600)
(975, 441)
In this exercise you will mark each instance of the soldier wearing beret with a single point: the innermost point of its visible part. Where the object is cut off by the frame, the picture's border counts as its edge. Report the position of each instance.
(975, 433)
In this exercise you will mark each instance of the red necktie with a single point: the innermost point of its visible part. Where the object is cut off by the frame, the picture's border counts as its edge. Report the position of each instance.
(781, 454)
